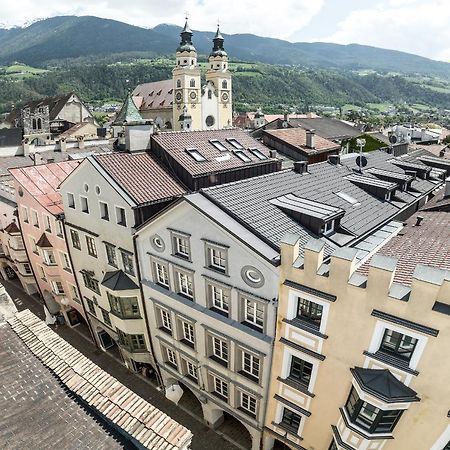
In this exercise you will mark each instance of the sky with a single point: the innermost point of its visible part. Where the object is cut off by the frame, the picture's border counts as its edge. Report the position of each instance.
(415, 26)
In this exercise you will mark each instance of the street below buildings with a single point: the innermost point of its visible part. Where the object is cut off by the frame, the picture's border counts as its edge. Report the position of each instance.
(204, 437)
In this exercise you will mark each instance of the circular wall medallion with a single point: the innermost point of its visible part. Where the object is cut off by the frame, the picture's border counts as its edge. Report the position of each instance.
(178, 97)
(225, 97)
(20, 191)
(86, 187)
(97, 190)
(157, 243)
(252, 276)
(193, 95)
(210, 121)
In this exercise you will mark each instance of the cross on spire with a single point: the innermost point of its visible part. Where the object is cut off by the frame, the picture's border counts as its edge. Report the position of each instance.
(186, 15)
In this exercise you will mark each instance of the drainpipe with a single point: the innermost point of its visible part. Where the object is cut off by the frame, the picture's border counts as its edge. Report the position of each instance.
(62, 219)
(147, 323)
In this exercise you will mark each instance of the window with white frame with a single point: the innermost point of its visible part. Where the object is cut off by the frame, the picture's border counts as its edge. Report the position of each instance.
(65, 262)
(185, 284)
(191, 370)
(104, 211)
(76, 243)
(220, 388)
(34, 247)
(398, 345)
(91, 248)
(84, 204)
(71, 200)
(111, 255)
(35, 218)
(219, 350)
(47, 223)
(251, 365)
(327, 227)
(181, 247)
(188, 332)
(24, 210)
(49, 258)
(166, 321)
(127, 262)
(161, 274)
(41, 273)
(290, 420)
(309, 312)
(171, 357)
(253, 313)
(59, 228)
(121, 216)
(91, 306)
(58, 287)
(248, 403)
(74, 293)
(106, 317)
(124, 307)
(219, 298)
(300, 371)
(216, 258)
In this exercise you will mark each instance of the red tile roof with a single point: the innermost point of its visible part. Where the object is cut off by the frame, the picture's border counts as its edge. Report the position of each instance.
(296, 137)
(428, 243)
(156, 95)
(43, 181)
(176, 142)
(141, 176)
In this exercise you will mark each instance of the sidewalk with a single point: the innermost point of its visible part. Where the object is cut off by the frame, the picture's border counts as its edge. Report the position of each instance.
(204, 437)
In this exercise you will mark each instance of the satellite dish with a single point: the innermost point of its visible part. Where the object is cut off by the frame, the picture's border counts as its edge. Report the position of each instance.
(361, 161)
(393, 139)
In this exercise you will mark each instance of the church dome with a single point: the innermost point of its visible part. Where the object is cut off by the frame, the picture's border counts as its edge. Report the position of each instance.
(186, 40)
(218, 49)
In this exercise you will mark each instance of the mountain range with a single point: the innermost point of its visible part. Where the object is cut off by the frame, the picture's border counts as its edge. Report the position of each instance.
(67, 37)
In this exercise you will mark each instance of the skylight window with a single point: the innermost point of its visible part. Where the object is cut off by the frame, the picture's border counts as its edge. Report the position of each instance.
(260, 155)
(195, 154)
(347, 198)
(218, 145)
(242, 156)
(235, 143)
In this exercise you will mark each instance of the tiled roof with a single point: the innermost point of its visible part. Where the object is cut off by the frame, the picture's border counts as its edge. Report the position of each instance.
(150, 427)
(12, 228)
(74, 130)
(43, 242)
(37, 412)
(428, 244)
(327, 127)
(296, 137)
(42, 182)
(156, 95)
(118, 281)
(176, 143)
(141, 176)
(129, 113)
(249, 200)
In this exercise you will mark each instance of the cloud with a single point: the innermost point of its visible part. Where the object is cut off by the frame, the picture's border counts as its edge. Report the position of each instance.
(413, 26)
(236, 16)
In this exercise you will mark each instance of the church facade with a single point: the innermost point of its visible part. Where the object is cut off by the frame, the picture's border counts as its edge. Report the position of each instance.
(185, 103)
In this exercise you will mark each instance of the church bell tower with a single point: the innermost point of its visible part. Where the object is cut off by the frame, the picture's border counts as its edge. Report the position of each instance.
(186, 85)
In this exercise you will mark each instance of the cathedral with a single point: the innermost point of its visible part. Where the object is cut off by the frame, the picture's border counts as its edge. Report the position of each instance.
(184, 103)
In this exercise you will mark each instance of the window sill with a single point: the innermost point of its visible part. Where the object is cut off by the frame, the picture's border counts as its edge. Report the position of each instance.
(94, 256)
(364, 433)
(122, 224)
(182, 257)
(289, 429)
(187, 297)
(163, 286)
(247, 412)
(188, 343)
(67, 269)
(219, 361)
(105, 218)
(217, 270)
(305, 326)
(171, 364)
(296, 385)
(249, 376)
(220, 311)
(391, 361)
(253, 327)
(193, 379)
(220, 396)
(165, 330)
(50, 265)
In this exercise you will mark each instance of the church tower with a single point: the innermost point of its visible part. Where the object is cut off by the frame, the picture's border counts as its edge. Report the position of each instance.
(186, 85)
(218, 85)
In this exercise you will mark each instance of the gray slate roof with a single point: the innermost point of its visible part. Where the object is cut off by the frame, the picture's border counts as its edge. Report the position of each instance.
(327, 127)
(248, 201)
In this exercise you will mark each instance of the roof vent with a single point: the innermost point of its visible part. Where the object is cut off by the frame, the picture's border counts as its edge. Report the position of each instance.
(300, 167)
(273, 154)
(310, 138)
(334, 159)
(419, 220)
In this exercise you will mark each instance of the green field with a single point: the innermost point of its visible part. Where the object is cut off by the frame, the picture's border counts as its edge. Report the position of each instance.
(380, 107)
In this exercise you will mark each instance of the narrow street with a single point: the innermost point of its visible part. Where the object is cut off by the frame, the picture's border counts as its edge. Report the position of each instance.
(204, 437)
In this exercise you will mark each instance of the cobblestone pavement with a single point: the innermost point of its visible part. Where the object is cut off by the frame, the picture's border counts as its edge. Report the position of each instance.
(204, 437)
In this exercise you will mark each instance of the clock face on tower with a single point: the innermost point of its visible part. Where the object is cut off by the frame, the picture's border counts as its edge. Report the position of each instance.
(178, 97)
(225, 97)
(193, 95)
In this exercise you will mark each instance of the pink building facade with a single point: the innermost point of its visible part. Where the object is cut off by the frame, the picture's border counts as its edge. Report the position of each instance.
(40, 213)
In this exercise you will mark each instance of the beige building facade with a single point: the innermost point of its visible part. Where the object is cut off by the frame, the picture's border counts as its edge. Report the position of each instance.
(359, 360)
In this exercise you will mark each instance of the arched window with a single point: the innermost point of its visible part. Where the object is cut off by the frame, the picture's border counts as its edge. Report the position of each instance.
(192, 82)
(34, 124)
(178, 83)
(39, 124)
(209, 94)
(224, 84)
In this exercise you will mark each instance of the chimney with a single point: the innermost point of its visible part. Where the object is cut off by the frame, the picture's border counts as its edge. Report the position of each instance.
(310, 138)
(334, 159)
(447, 188)
(273, 154)
(418, 221)
(300, 167)
(286, 117)
(411, 173)
(63, 145)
